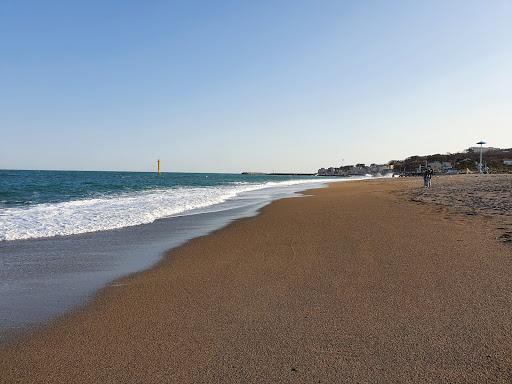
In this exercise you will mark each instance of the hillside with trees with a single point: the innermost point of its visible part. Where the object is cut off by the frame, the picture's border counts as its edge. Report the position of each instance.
(493, 158)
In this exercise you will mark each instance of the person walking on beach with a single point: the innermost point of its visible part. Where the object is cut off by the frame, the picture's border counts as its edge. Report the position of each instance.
(427, 177)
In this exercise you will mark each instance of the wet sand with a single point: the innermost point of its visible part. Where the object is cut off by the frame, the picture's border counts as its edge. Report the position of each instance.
(354, 283)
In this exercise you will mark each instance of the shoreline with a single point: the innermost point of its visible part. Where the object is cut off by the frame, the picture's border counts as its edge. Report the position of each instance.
(26, 332)
(126, 251)
(209, 293)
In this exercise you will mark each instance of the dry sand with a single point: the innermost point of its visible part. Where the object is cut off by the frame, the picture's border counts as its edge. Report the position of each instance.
(352, 284)
(488, 196)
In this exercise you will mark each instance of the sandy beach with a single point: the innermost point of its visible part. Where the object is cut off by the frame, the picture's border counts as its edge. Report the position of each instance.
(372, 281)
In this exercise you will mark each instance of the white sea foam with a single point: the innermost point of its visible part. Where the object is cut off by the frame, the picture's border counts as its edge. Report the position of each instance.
(118, 211)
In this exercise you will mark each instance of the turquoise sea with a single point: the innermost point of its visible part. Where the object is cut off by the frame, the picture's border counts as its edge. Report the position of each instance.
(35, 204)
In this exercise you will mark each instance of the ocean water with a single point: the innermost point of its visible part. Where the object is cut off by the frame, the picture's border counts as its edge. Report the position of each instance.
(65, 235)
(35, 204)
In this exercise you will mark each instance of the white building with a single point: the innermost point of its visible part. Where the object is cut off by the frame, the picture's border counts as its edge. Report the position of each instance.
(436, 166)
(484, 149)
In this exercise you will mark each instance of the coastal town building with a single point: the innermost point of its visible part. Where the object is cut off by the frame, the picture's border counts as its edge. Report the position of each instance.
(484, 149)
(494, 160)
(356, 170)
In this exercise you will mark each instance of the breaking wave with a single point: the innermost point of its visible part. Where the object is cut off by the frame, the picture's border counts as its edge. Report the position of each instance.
(118, 211)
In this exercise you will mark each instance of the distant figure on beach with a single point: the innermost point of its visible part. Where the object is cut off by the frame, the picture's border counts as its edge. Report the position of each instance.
(427, 177)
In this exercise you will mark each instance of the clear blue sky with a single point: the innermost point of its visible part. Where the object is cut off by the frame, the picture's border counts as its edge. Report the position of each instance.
(286, 85)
